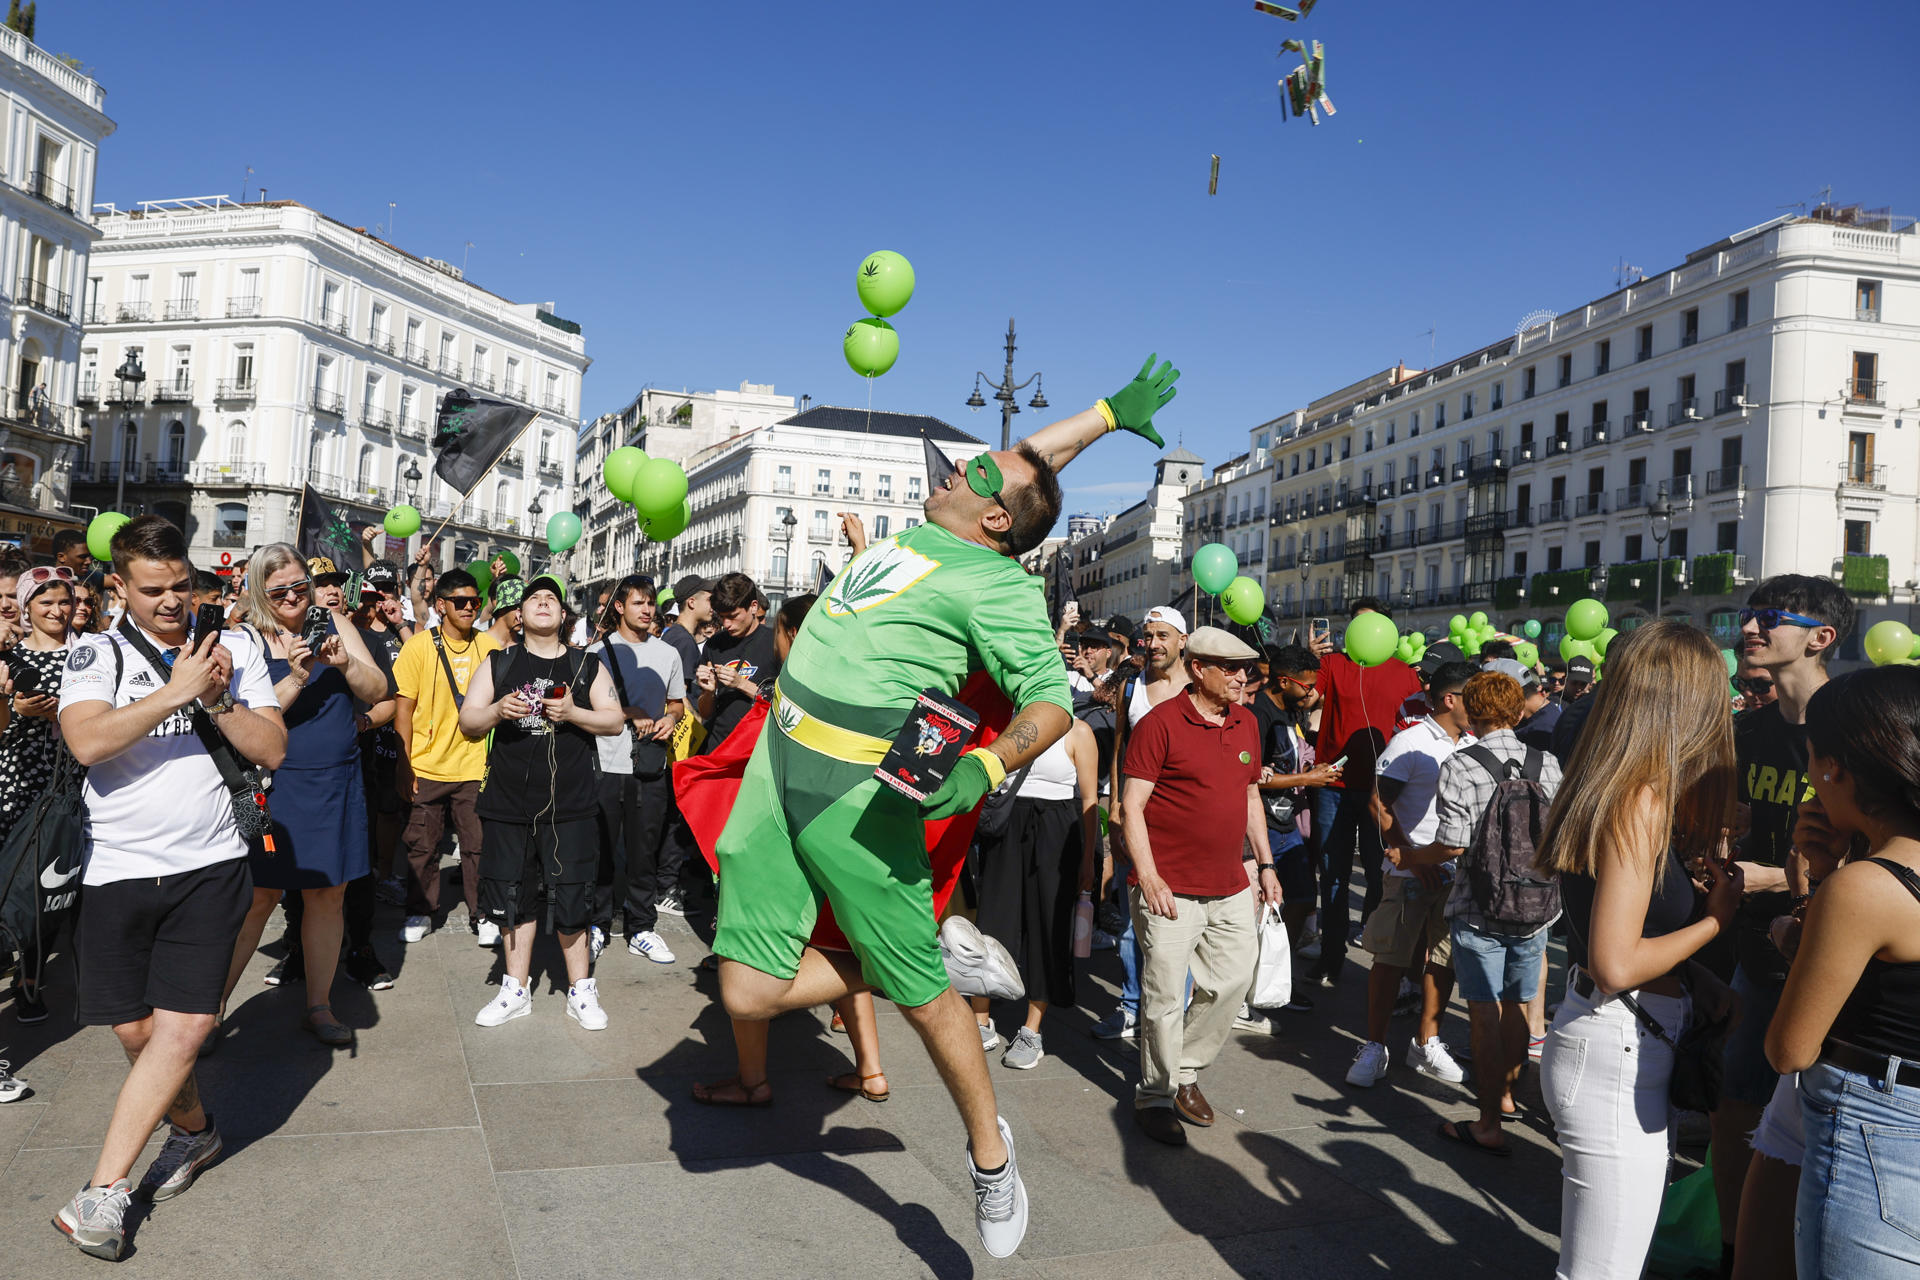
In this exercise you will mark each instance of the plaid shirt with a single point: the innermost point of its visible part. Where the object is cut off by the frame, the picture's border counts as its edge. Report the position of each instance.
(1466, 791)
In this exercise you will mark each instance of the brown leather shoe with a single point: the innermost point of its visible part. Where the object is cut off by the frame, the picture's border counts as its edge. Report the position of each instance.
(1160, 1124)
(1192, 1105)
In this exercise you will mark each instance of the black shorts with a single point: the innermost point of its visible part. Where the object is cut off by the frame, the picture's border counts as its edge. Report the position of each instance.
(520, 864)
(160, 943)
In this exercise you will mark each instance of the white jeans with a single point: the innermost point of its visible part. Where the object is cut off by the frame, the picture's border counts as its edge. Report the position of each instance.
(1605, 1080)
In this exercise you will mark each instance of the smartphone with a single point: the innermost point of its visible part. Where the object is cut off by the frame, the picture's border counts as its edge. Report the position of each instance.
(208, 621)
(1320, 629)
(1341, 763)
(26, 680)
(314, 630)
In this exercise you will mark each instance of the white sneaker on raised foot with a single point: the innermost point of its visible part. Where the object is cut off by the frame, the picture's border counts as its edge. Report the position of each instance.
(180, 1161)
(583, 1005)
(416, 928)
(1432, 1059)
(514, 1001)
(95, 1219)
(1369, 1065)
(976, 964)
(1000, 1202)
(651, 945)
(487, 934)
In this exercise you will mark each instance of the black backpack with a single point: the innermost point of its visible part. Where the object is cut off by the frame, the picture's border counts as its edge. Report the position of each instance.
(1500, 864)
(40, 864)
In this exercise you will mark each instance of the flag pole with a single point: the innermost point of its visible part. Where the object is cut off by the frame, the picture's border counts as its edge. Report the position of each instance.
(428, 541)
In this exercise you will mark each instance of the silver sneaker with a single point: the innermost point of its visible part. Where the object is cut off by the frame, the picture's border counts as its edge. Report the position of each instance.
(180, 1161)
(1000, 1203)
(989, 1038)
(95, 1219)
(1025, 1052)
(12, 1087)
(976, 964)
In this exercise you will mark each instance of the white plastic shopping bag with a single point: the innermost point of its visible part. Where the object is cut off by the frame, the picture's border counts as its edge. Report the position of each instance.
(1273, 973)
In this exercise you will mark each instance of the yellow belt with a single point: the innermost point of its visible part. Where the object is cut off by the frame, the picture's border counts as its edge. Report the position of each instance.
(815, 734)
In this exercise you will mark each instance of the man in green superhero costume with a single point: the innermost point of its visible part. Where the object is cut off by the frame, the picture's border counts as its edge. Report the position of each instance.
(812, 823)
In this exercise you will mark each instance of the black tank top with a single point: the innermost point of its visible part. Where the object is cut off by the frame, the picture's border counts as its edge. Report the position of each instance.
(1674, 905)
(1883, 1013)
(539, 771)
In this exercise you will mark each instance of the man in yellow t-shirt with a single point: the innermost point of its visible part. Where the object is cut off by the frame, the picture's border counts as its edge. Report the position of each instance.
(441, 769)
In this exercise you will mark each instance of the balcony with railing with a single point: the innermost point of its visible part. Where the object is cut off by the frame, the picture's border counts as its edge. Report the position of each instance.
(412, 429)
(1589, 504)
(121, 391)
(374, 418)
(551, 467)
(1596, 433)
(89, 392)
(214, 475)
(1487, 466)
(133, 313)
(1870, 315)
(1730, 399)
(554, 404)
(1632, 497)
(380, 340)
(173, 391)
(229, 539)
(1859, 476)
(183, 309)
(243, 308)
(44, 298)
(334, 322)
(232, 389)
(450, 369)
(45, 188)
(513, 457)
(414, 353)
(1727, 479)
(325, 401)
(1680, 488)
(1867, 391)
(480, 380)
(1557, 509)
(1639, 420)
(514, 391)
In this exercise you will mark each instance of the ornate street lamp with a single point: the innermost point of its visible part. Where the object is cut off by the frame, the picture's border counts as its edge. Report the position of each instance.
(1661, 510)
(1004, 390)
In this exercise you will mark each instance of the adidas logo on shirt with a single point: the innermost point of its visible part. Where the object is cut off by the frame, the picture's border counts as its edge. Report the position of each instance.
(141, 680)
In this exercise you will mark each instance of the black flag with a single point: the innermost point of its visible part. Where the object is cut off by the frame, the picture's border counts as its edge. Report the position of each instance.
(825, 579)
(470, 435)
(325, 532)
(1062, 581)
(939, 466)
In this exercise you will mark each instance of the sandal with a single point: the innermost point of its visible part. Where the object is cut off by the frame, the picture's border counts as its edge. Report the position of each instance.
(333, 1034)
(854, 1082)
(1459, 1131)
(838, 1026)
(715, 1095)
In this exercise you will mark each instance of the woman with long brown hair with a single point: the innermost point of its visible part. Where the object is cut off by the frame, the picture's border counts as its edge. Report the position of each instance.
(1650, 789)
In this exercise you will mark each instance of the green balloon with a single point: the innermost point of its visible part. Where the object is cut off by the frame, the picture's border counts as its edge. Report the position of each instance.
(1457, 624)
(402, 521)
(671, 525)
(1214, 566)
(1531, 628)
(1916, 648)
(1586, 619)
(1244, 601)
(619, 470)
(1479, 618)
(1888, 641)
(509, 562)
(871, 346)
(1370, 639)
(1570, 648)
(1527, 653)
(659, 488)
(885, 283)
(1733, 663)
(100, 531)
(1605, 638)
(563, 530)
(482, 575)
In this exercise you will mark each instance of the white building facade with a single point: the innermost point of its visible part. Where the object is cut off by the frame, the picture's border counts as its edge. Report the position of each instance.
(55, 122)
(279, 347)
(812, 466)
(1140, 549)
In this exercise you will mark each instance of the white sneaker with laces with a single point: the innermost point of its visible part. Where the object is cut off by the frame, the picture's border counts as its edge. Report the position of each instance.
(1251, 1019)
(180, 1161)
(12, 1087)
(583, 1005)
(1432, 1059)
(95, 1219)
(488, 934)
(976, 964)
(514, 1001)
(416, 928)
(1000, 1203)
(651, 945)
(1369, 1065)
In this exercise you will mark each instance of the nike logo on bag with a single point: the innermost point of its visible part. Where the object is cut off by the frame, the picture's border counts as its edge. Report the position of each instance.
(52, 878)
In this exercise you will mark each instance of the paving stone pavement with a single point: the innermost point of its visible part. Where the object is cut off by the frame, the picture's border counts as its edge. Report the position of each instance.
(436, 1148)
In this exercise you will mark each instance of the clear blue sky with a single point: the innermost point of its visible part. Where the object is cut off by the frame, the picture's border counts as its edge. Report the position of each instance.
(695, 183)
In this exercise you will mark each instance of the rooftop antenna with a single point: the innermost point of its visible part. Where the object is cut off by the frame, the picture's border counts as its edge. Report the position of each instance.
(463, 258)
(243, 185)
(1626, 273)
(392, 212)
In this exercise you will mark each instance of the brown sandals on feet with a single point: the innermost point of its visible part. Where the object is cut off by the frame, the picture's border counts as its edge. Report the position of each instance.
(854, 1082)
(731, 1093)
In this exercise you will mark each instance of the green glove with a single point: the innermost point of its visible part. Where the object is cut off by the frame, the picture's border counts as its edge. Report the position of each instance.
(1132, 407)
(978, 772)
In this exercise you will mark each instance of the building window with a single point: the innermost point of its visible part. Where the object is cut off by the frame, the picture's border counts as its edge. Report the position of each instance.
(779, 573)
(1466, 405)
(1554, 558)
(1859, 538)
(1566, 369)
(1499, 398)
(377, 327)
(882, 527)
(883, 488)
(1865, 387)
(236, 443)
(1677, 545)
(1439, 415)
(331, 311)
(823, 481)
(1519, 564)
(1859, 457)
(913, 492)
(1591, 554)
(1689, 326)
(1413, 428)
(853, 484)
(1737, 312)
(1633, 548)
(1726, 536)
(1866, 299)
(406, 404)
(783, 479)
(1602, 356)
(818, 529)
(1529, 383)
(1643, 343)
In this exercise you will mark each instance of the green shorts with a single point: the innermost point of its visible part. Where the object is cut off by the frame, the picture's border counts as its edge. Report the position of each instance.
(808, 828)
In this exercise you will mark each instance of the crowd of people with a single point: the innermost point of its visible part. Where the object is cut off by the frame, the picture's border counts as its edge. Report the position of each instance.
(1733, 871)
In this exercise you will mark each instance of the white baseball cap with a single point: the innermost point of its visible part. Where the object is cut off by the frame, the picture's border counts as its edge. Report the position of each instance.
(1171, 617)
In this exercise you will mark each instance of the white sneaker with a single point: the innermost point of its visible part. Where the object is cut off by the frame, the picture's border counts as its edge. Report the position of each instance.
(1432, 1059)
(596, 944)
(488, 934)
(1000, 1203)
(977, 965)
(416, 928)
(651, 945)
(989, 1038)
(583, 1005)
(1369, 1065)
(12, 1087)
(1250, 1019)
(512, 1002)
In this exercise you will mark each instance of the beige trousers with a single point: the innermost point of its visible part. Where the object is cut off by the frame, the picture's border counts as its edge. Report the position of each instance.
(1214, 940)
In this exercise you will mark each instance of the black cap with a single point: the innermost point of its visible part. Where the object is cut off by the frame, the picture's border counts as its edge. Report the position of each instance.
(1580, 669)
(383, 576)
(1120, 625)
(691, 585)
(1437, 656)
(1091, 639)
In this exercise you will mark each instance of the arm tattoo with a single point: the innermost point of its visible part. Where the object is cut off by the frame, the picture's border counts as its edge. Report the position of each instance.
(1023, 735)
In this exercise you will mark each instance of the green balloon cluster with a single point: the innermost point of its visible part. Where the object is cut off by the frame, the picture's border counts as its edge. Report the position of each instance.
(885, 285)
(1411, 648)
(1216, 571)
(656, 488)
(1470, 634)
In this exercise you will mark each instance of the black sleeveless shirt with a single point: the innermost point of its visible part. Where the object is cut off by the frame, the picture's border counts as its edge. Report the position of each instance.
(1674, 905)
(1882, 1014)
(539, 771)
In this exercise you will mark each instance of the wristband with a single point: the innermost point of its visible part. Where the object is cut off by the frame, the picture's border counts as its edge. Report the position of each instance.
(1264, 866)
(996, 769)
(1106, 411)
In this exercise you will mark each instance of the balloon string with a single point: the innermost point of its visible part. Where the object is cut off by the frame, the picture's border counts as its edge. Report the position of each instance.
(869, 404)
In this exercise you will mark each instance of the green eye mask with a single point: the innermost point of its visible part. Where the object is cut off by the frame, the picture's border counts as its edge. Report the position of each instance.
(983, 477)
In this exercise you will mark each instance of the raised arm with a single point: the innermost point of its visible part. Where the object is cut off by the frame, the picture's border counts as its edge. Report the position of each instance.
(1129, 409)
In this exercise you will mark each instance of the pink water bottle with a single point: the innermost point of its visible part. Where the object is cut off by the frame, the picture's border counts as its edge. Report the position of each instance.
(1083, 927)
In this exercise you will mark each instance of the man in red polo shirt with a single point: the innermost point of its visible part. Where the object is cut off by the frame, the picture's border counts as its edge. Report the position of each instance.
(1361, 706)
(1192, 801)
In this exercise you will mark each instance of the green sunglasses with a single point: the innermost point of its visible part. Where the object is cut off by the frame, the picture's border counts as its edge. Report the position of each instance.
(984, 478)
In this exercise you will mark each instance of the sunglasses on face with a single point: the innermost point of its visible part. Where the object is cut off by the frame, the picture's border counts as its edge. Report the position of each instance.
(290, 590)
(1759, 688)
(461, 602)
(1229, 667)
(1771, 618)
(984, 478)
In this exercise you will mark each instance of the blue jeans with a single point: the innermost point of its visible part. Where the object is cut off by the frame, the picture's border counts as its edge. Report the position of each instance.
(1748, 1076)
(1130, 969)
(1489, 967)
(1858, 1215)
(1342, 826)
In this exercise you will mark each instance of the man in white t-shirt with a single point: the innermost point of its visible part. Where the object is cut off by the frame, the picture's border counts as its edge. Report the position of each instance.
(1409, 928)
(166, 877)
(634, 777)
